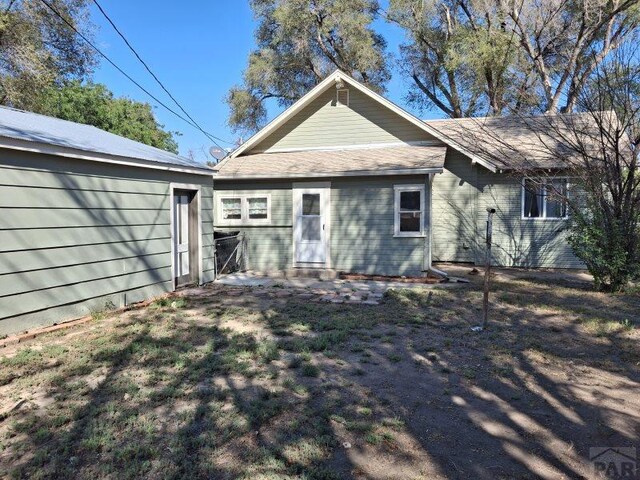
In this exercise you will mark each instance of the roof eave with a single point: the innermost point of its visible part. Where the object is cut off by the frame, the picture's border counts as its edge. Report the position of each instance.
(287, 114)
(353, 173)
(69, 152)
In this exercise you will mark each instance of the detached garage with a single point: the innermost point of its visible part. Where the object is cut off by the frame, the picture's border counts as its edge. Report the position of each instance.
(90, 221)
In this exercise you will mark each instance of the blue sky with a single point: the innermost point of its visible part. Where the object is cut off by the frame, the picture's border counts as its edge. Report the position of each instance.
(198, 49)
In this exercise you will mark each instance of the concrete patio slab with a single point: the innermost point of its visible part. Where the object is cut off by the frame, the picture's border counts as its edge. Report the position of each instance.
(245, 279)
(334, 291)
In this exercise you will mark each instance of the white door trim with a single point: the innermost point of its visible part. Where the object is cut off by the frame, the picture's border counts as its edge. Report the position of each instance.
(196, 189)
(296, 193)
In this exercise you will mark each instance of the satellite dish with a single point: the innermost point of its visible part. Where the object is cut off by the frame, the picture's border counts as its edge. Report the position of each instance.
(214, 151)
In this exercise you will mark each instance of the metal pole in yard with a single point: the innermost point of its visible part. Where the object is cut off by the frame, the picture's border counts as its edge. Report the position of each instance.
(215, 259)
(487, 268)
(243, 258)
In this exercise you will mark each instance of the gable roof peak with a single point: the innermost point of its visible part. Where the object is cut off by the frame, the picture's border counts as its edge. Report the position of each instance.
(321, 88)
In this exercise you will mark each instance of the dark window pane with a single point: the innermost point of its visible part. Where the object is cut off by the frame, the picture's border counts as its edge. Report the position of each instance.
(532, 200)
(410, 221)
(410, 201)
(310, 204)
(555, 208)
(556, 194)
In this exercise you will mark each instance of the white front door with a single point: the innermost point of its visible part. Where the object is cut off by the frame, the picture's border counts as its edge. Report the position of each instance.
(311, 225)
(181, 237)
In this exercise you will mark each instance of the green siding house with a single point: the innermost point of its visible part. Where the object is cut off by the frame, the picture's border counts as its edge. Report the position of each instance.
(342, 181)
(345, 180)
(90, 220)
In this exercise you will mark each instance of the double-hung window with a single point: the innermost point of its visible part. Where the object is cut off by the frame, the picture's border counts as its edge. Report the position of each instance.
(545, 198)
(252, 209)
(409, 204)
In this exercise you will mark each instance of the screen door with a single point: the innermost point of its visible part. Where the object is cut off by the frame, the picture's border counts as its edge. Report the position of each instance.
(310, 232)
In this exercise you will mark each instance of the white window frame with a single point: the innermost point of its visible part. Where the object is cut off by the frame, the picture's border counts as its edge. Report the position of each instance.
(398, 189)
(338, 103)
(544, 202)
(244, 210)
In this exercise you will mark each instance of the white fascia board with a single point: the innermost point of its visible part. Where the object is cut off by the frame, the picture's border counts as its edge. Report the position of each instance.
(355, 173)
(59, 151)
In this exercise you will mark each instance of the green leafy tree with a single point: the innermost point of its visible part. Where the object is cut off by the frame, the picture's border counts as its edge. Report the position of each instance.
(38, 50)
(461, 56)
(299, 42)
(93, 104)
(467, 57)
(597, 148)
(605, 231)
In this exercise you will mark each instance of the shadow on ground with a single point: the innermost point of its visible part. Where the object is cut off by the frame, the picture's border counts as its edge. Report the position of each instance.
(242, 383)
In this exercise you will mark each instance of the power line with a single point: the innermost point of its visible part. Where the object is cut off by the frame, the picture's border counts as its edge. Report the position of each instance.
(90, 43)
(155, 77)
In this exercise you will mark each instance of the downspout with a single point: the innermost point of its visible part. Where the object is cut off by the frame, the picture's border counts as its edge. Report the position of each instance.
(428, 239)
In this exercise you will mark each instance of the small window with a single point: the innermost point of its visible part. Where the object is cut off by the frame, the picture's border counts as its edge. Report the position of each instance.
(258, 208)
(342, 97)
(231, 208)
(245, 209)
(409, 210)
(545, 199)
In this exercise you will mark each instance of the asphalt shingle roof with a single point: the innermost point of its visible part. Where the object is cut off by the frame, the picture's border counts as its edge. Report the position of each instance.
(519, 142)
(32, 127)
(384, 160)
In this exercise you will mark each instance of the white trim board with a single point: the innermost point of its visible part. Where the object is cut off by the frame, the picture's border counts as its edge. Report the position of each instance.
(336, 77)
(59, 151)
(355, 173)
(198, 192)
(360, 146)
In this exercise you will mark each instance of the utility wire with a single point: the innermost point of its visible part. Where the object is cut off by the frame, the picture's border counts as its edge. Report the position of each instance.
(103, 55)
(155, 77)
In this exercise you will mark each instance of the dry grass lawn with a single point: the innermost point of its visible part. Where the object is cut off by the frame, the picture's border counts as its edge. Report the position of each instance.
(241, 383)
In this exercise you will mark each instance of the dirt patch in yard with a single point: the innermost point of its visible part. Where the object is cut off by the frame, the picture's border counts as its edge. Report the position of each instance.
(232, 384)
(389, 278)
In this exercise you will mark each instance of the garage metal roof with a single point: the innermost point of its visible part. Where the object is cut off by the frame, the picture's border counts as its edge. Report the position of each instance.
(41, 129)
